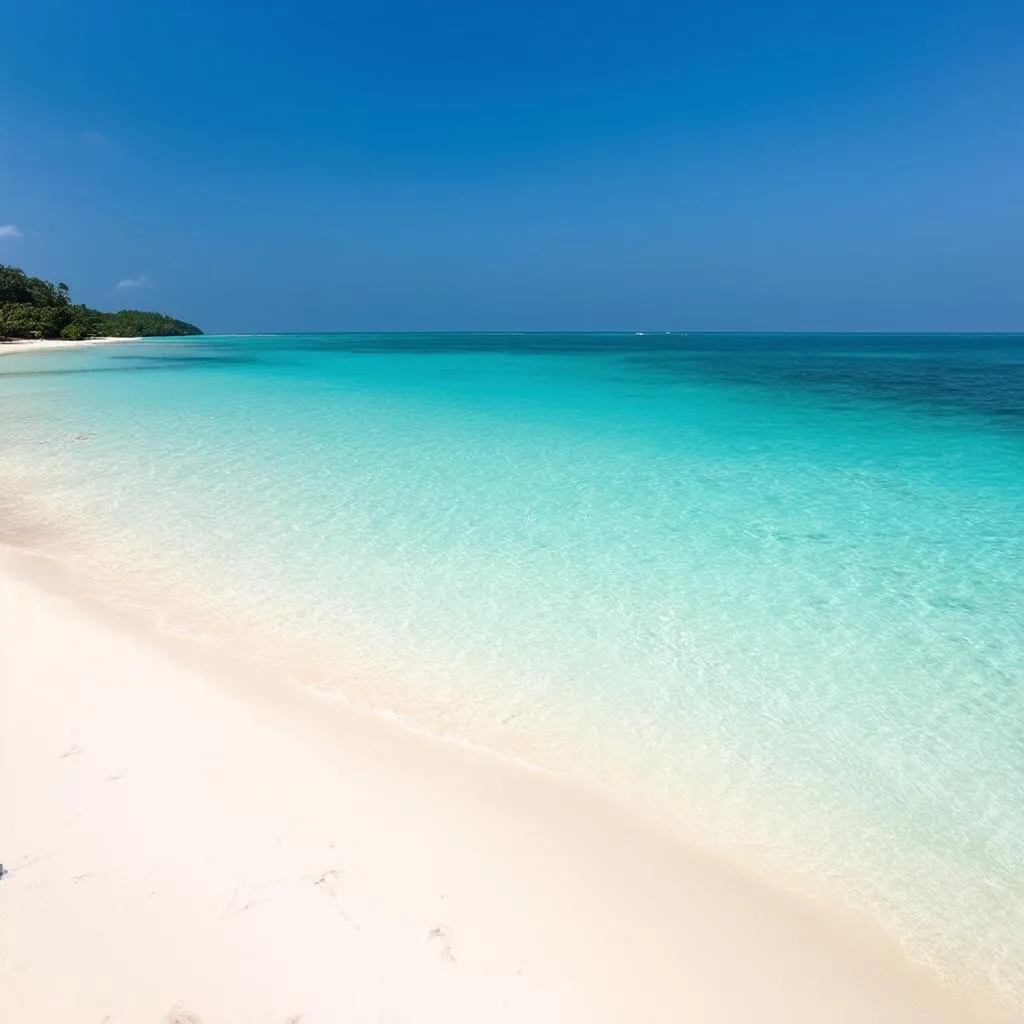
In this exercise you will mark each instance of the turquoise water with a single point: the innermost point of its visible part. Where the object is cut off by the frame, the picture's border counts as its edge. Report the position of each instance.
(769, 588)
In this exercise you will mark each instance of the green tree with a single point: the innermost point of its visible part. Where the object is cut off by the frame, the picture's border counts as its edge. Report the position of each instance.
(14, 285)
(21, 320)
(33, 308)
(134, 323)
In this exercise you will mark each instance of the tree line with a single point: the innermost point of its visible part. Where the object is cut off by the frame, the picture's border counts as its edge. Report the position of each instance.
(33, 308)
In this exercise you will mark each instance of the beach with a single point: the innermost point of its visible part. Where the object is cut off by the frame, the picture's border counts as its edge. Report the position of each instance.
(683, 686)
(184, 842)
(20, 346)
(532, 528)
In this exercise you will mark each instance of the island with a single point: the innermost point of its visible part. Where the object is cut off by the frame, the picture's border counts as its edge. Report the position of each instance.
(33, 308)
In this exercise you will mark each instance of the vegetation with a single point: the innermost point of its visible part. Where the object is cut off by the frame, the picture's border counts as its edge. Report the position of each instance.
(33, 308)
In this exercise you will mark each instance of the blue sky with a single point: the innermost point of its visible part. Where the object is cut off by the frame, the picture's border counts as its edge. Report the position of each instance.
(528, 165)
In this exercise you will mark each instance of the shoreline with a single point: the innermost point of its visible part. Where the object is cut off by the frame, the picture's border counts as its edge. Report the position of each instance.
(12, 346)
(251, 850)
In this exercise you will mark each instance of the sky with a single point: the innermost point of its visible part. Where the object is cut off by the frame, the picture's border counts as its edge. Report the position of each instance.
(528, 165)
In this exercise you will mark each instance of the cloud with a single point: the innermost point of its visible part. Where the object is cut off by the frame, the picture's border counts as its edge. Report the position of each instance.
(95, 137)
(10, 231)
(132, 282)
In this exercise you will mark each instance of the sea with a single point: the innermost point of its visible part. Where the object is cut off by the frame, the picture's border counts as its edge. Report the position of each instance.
(767, 589)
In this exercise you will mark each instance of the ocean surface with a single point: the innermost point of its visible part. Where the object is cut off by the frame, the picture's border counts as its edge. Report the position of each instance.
(768, 588)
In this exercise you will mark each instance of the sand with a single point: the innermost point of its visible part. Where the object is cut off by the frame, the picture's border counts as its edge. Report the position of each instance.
(12, 346)
(186, 842)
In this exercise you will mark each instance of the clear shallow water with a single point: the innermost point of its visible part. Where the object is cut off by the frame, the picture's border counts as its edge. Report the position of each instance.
(768, 587)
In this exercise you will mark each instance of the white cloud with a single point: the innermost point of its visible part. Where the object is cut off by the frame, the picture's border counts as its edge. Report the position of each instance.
(132, 282)
(95, 137)
(10, 231)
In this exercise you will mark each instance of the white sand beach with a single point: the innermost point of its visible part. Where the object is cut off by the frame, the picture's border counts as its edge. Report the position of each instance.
(22, 345)
(183, 842)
